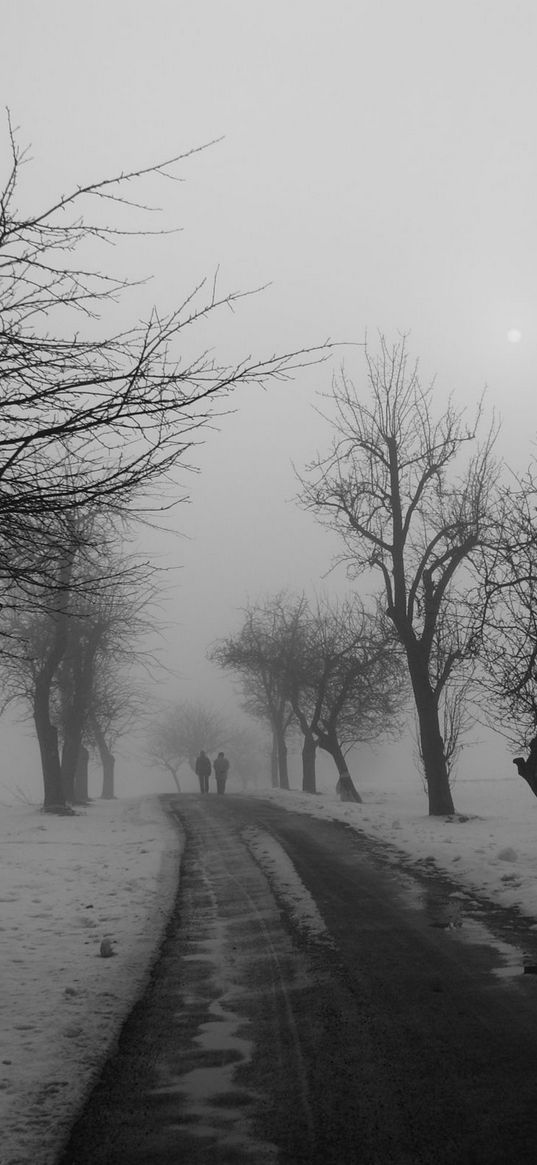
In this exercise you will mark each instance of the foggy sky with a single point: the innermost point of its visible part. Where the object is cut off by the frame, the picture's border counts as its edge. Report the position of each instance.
(377, 169)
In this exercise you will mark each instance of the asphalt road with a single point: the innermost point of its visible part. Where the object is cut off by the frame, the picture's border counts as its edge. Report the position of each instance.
(317, 1001)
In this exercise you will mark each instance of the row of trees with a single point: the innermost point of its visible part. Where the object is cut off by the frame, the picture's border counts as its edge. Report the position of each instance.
(71, 652)
(329, 670)
(444, 536)
(424, 507)
(93, 421)
(92, 418)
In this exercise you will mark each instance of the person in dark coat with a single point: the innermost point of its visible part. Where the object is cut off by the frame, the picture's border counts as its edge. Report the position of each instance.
(221, 768)
(203, 769)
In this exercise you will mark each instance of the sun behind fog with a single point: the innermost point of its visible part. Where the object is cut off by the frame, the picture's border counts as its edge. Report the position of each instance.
(514, 336)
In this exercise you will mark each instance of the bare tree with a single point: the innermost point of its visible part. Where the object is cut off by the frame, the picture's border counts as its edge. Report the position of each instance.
(179, 734)
(99, 697)
(459, 622)
(259, 653)
(38, 638)
(340, 669)
(248, 751)
(411, 497)
(60, 646)
(264, 708)
(353, 689)
(118, 705)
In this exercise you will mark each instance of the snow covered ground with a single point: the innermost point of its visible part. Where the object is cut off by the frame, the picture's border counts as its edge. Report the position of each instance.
(68, 883)
(490, 846)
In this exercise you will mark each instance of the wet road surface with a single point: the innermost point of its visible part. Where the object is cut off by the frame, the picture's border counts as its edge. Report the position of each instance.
(316, 1001)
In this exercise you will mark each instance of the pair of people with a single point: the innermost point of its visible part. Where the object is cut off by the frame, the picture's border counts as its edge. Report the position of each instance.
(204, 768)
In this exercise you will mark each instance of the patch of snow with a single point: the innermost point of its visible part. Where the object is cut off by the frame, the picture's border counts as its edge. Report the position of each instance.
(69, 887)
(286, 883)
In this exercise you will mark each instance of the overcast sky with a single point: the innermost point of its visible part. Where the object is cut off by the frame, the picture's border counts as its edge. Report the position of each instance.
(377, 169)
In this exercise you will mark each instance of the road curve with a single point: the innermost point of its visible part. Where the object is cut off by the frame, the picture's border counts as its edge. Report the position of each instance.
(316, 1001)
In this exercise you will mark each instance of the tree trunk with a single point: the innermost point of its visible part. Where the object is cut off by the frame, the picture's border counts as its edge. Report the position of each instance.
(47, 736)
(72, 747)
(309, 749)
(173, 774)
(75, 688)
(274, 773)
(282, 759)
(80, 786)
(528, 768)
(432, 745)
(108, 762)
(345, 787)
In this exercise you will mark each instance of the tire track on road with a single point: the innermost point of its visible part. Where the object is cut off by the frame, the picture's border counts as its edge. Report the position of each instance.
(221, 854)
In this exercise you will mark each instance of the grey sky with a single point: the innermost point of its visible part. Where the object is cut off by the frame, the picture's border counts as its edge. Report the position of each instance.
(378, 169)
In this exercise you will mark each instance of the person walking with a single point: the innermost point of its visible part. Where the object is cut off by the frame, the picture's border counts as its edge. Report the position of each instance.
(221, 769)
(203, 770)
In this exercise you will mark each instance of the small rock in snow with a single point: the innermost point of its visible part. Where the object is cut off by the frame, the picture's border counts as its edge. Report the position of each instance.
(508, 854)
(107, 949)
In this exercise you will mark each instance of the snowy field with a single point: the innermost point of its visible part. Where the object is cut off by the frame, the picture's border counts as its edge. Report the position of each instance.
(68, 883)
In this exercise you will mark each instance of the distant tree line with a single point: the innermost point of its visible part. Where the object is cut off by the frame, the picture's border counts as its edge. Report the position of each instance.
(177, 735)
